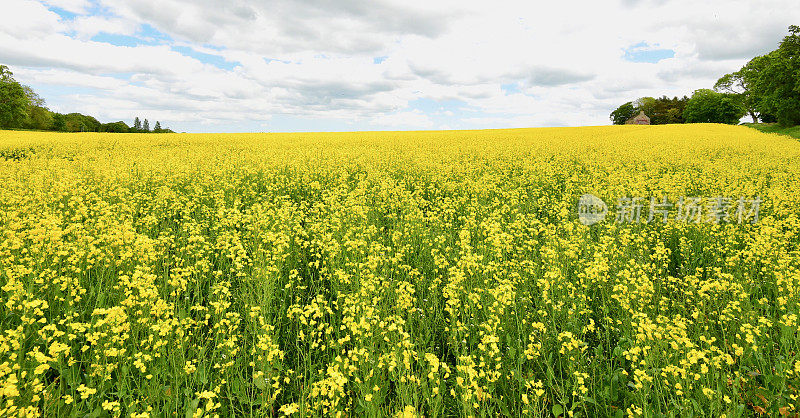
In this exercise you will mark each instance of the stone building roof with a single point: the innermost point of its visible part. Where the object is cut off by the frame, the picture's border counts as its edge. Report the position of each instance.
(640, 119)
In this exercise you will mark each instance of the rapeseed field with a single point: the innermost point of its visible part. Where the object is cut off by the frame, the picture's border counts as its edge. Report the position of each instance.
(398, 274)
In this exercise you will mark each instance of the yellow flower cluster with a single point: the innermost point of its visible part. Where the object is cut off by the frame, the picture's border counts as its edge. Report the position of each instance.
(395, 274)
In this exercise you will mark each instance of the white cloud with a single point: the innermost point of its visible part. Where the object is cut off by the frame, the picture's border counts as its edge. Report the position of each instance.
(288, 26)
(73, 6)
(61, 51)
(88, 26)
(27, 20)
(249, 60)
(58, 77)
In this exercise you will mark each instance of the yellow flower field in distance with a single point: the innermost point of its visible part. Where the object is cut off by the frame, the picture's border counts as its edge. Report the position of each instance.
(441, 273)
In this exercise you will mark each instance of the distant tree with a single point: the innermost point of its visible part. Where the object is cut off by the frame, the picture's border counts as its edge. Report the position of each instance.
(13, 102)
(39, 118)
(666, 110)
(646, 105)
(146, 126)
(137, 124)
(77, 122)
(708, 106)
(778, 82)
(59, 122)
(157, 128)
(623, 113)
(118, 127)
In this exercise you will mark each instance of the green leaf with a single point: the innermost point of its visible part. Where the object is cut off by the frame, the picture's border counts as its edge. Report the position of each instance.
(558, 410)
(192, 408)
(505, 409)
(260, 382)
(94, 414)
(201, 375)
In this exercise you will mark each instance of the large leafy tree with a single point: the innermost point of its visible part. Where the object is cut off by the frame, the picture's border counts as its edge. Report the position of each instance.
(13, 101)
(742, 84)
(778, 82)
(708, 106)
(38, 116)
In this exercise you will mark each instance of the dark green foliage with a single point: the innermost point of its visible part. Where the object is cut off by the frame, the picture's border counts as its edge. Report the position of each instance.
(39, 118)
(768, 118)
(77, 122)
(665, 110)
(59, 122)
(708, 106)
(117, 127)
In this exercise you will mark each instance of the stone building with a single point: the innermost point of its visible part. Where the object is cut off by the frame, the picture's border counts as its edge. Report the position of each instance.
(640, 119)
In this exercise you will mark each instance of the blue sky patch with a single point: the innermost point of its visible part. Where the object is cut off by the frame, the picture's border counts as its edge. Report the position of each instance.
(214, 60)
(62, 13)
(642, 52)
(153, 35)
(510, 88)
(145, 35)
(430, 106)
(118, 40)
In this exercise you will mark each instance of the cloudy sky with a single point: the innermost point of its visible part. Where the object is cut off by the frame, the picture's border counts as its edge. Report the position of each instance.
(333, 65)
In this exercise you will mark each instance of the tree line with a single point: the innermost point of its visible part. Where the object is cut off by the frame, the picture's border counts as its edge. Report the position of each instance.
(767, 89)
(23, 108)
